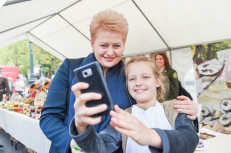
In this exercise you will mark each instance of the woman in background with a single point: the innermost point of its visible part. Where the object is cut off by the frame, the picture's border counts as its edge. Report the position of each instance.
(167, 70)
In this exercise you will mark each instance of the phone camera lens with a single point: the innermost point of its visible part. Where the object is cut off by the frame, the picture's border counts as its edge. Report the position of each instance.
(85, 73)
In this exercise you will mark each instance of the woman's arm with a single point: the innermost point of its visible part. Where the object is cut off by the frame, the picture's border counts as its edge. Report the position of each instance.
(108, 140)
(54, 113)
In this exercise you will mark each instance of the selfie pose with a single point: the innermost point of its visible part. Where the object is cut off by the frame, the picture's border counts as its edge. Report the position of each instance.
(151, 125)
(109, 31)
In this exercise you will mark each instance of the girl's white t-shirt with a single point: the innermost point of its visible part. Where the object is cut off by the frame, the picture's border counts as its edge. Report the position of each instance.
(153, 117)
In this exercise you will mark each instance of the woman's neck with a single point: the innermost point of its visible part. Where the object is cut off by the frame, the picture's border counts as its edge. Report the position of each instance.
(105, 72)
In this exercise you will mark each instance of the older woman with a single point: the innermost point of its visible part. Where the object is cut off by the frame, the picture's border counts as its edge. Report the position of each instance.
(163, 62)
(108, 37)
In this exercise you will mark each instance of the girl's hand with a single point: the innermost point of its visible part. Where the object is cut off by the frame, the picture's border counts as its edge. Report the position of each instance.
(186, 106)
(130, 126)
(83, 113)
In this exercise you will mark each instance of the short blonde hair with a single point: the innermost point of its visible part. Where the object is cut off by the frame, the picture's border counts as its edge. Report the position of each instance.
(109, 20)
(163, 89)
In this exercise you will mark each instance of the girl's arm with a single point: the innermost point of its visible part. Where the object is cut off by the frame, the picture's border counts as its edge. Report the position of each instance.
(108, 140)
(182, 139)
(130, 126)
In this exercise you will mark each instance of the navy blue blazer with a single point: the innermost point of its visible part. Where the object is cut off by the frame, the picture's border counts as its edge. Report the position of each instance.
(54, 117)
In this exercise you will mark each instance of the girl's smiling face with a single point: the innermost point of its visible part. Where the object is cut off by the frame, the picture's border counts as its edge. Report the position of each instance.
(142, 83)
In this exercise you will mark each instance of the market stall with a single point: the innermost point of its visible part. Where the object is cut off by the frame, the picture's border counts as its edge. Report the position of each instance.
(20, 118)
(24, 129)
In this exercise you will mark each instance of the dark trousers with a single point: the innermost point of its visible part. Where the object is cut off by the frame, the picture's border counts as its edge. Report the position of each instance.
(11, 92)
(1, 95)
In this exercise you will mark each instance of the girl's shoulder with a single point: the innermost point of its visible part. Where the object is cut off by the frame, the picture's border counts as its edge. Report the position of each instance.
(168, 105)
(170, 112)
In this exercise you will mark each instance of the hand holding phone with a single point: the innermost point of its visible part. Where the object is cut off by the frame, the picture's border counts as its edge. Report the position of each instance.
(82, 112)
(93, 98)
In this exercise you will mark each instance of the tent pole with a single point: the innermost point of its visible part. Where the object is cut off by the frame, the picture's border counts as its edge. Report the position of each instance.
(73, 27)
(46, 44)
(42, 22)
(151, 25)
(69, 6)
(27, 23)
(14, 2)
(55, 14)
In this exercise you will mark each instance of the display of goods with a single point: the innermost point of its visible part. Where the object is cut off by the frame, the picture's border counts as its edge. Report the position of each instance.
(40, 99)
(27, 106)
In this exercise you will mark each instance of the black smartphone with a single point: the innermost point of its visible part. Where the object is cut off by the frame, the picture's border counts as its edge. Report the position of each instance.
(93, 75)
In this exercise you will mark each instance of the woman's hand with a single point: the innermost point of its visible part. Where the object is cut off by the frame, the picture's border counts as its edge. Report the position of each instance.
(72, 143)
(186, 106)
(83, 113)
(130, 126)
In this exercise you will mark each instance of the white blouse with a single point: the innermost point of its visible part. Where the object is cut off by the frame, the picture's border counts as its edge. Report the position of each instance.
(153, 117)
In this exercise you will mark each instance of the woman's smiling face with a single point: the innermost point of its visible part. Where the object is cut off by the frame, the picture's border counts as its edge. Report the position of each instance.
(142, 83)
(108, 48)
(160, 61)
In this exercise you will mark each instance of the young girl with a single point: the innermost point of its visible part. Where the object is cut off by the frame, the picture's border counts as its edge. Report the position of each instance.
(151, 125)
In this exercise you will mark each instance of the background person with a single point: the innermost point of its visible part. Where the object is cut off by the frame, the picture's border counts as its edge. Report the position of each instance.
(4, 86)
(226, 74)
(19, 86)
(11, 85)
(165, 67)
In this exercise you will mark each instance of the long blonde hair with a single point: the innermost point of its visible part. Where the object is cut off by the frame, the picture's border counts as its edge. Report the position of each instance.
(163, 89)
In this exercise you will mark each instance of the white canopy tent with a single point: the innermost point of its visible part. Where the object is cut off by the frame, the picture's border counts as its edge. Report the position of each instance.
(62, 27)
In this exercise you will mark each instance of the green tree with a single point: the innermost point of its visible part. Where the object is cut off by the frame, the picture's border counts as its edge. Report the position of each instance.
(209, 51)
(46, 60)
(18, 55)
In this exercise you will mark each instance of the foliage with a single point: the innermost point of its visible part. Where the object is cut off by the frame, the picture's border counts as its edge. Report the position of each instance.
(18, 55)
(46, 60)
(209, 51)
